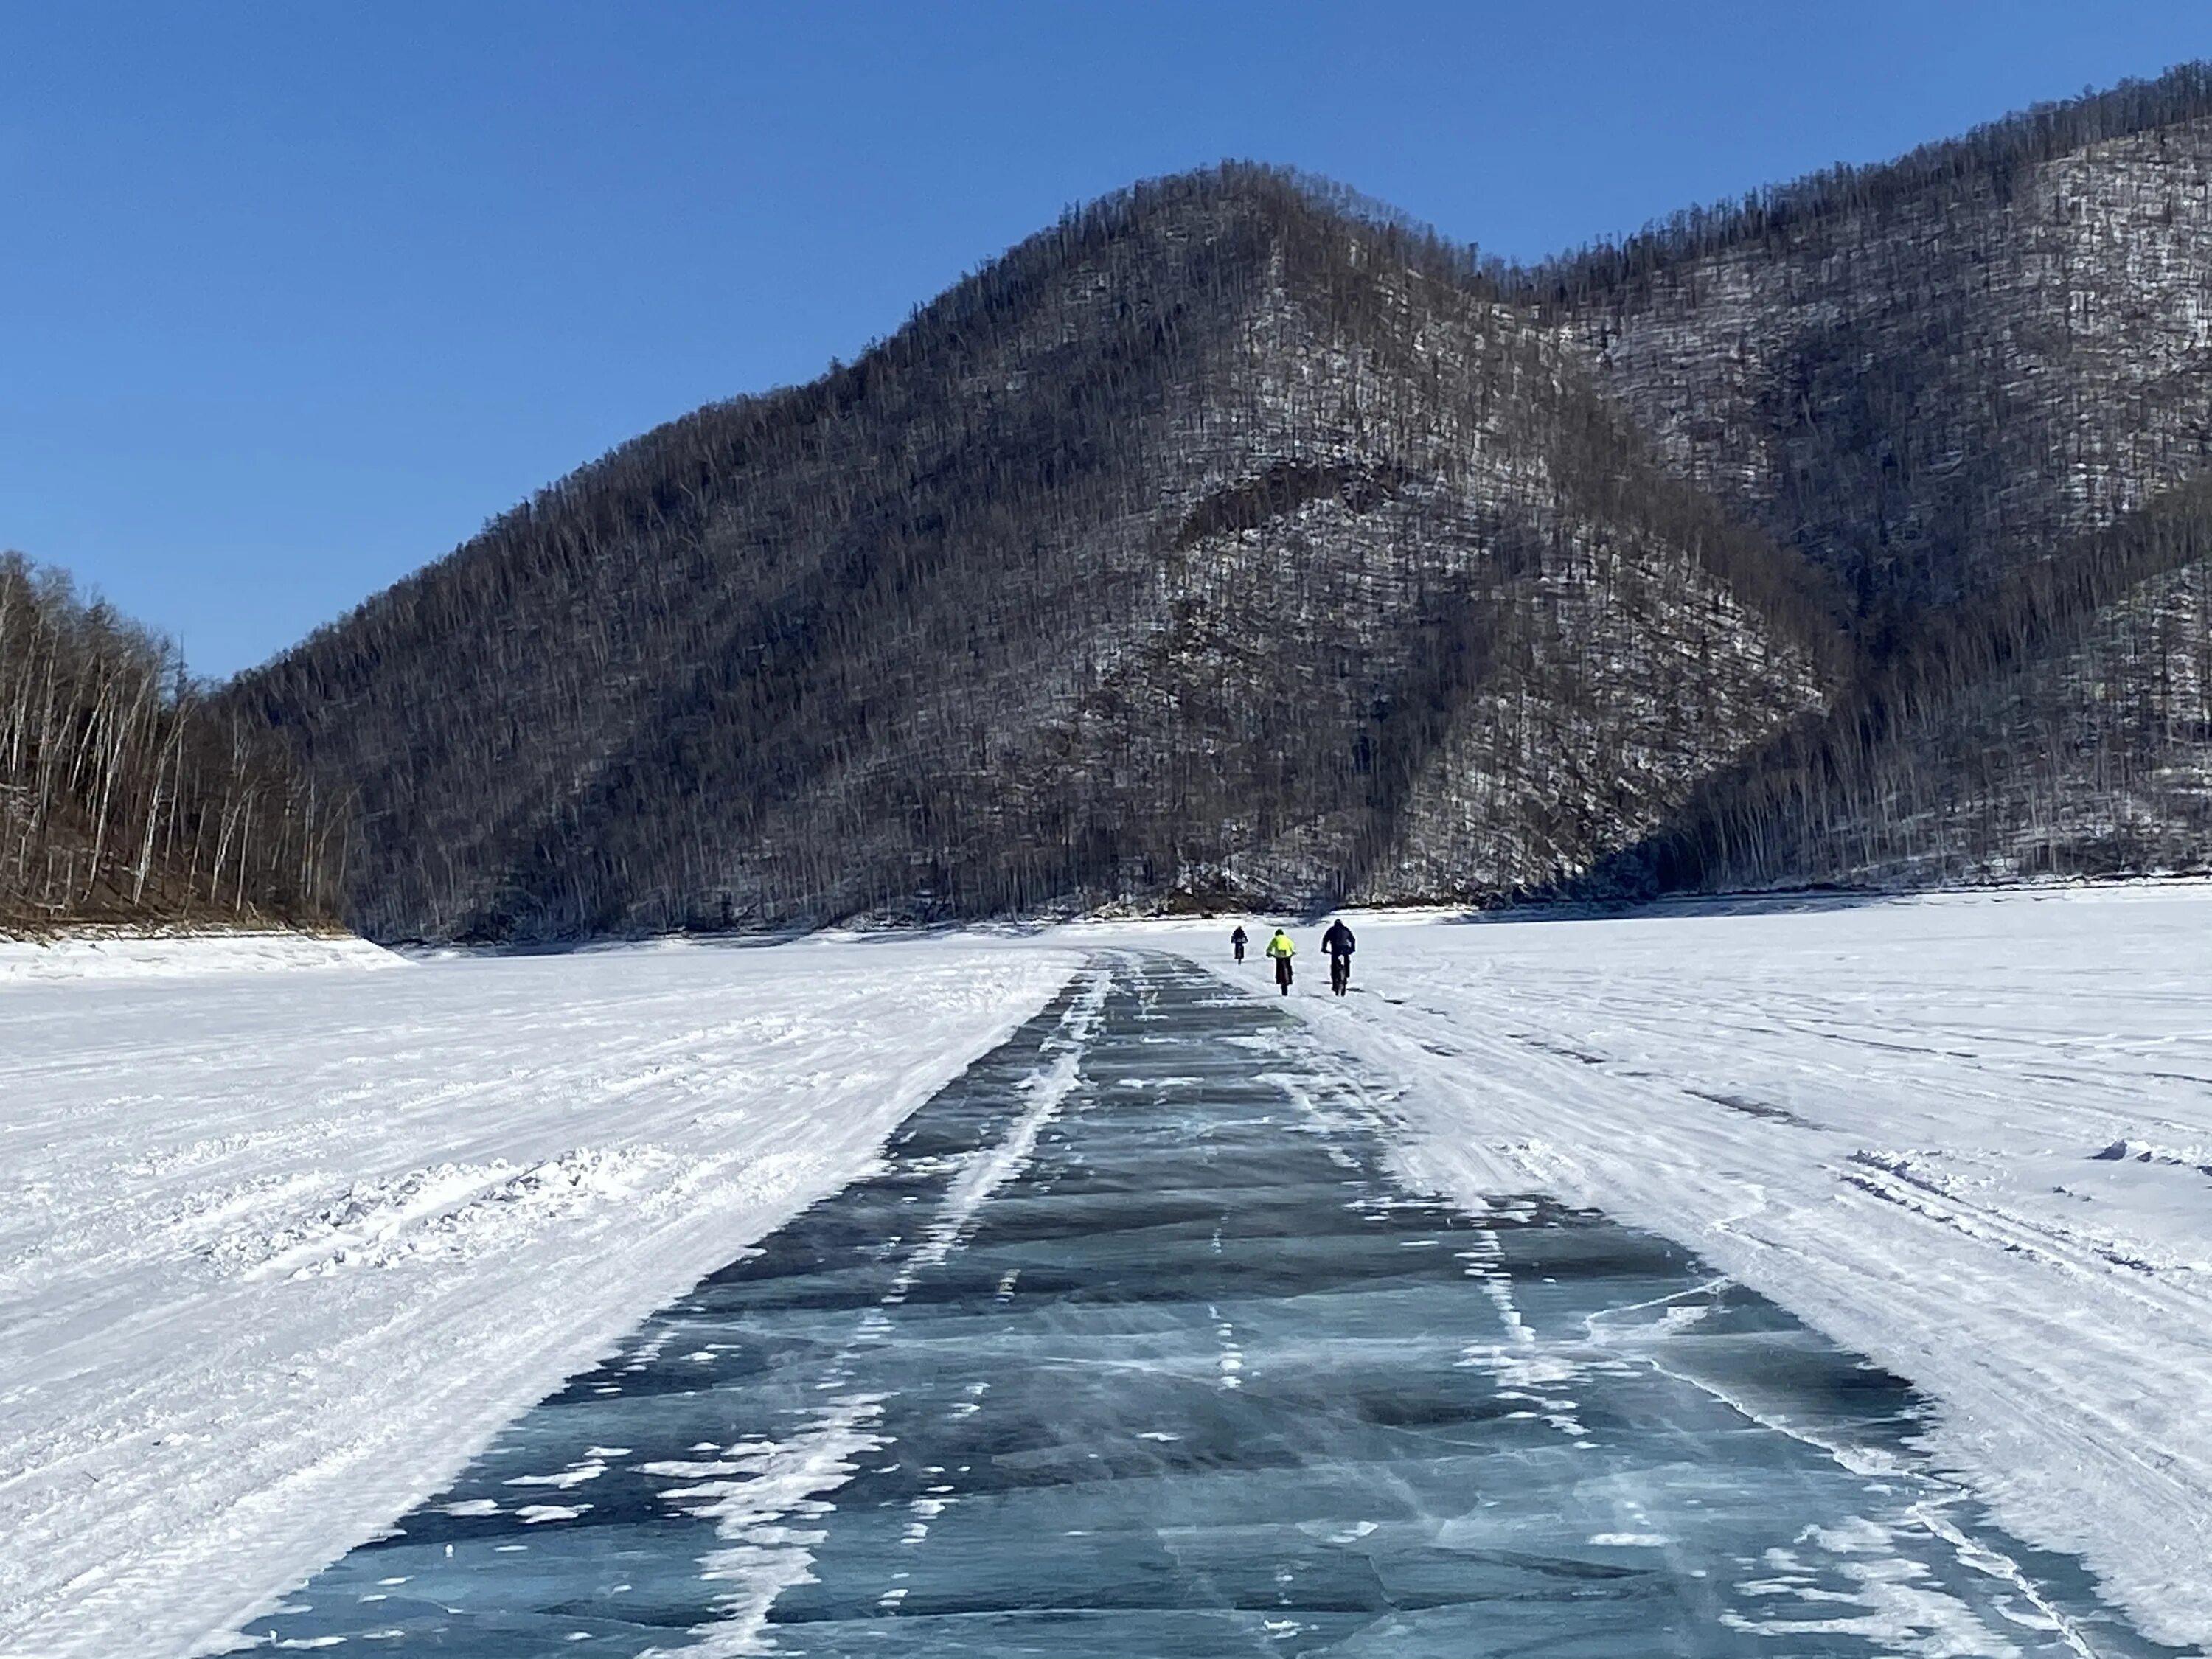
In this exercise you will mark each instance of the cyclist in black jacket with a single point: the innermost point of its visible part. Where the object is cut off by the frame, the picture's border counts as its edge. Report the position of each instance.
(1339, 944)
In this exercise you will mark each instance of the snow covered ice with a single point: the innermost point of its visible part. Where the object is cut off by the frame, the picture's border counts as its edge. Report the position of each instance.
(285, 1257)
(280, 1251)
(1136, 1345)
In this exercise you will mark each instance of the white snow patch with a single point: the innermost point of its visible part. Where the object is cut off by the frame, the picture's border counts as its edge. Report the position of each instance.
(92, 954)
(280, 1252)
(535, 1513)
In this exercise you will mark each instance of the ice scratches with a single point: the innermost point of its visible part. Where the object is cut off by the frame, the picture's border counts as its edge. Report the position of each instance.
(1327, 1107)
(1900, 1612)
(1486, 1262)
(1518, 1369)
(755, 1491)
(1044, 1091)
(1230, 1363)
(443, 1209)
(1850, 1580)
(1647, 1341)
(784, 1481)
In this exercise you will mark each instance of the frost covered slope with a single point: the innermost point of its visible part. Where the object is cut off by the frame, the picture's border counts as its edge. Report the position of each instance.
(1215, 539)
(1927, 374)
(1970, 385)
(1968, 1136)
(279, 1251)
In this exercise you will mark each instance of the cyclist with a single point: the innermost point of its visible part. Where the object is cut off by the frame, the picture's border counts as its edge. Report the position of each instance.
(1236, 944)
(1282, 950)
(1339, 944)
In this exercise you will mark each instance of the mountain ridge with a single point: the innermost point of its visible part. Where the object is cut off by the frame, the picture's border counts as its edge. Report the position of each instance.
(1232, 540)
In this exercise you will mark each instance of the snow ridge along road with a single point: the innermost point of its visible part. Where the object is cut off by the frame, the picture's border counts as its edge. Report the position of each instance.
(1966, 1135)
(279, 1252)
(96, 954)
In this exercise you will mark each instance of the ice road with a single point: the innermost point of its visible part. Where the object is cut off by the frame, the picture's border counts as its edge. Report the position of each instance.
(281, 1252)
(1968, 1135)
(1137, 1344)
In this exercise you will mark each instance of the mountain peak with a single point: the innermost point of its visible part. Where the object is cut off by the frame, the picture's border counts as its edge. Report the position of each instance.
(1234, 537)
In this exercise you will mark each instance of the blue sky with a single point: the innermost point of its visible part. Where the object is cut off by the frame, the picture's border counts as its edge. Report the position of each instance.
(293, 297)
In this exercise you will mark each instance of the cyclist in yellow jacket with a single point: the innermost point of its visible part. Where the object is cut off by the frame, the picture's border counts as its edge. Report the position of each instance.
(1282, 950)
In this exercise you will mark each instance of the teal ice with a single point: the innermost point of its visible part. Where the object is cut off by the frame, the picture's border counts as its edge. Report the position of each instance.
(1136, 1344)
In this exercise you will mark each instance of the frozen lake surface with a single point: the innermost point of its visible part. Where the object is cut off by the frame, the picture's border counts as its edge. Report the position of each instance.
(1136, 1345)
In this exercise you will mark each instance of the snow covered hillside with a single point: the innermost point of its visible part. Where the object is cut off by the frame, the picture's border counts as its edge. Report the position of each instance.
(279, 1251)
(1969, 1136)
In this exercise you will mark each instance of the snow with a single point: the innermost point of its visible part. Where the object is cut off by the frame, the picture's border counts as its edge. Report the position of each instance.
(281, 1250)
(1966, 1135)
(121, 955)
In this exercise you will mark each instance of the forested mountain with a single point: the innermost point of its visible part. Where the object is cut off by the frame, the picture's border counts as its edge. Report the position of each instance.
(1232, 538)
(1215, 540)
(1921, 374)
(1975, 385)
(126, 797)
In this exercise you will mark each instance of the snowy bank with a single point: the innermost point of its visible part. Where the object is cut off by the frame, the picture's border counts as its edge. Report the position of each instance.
(1967, 1135)
(279, 1252)
(92, 954)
